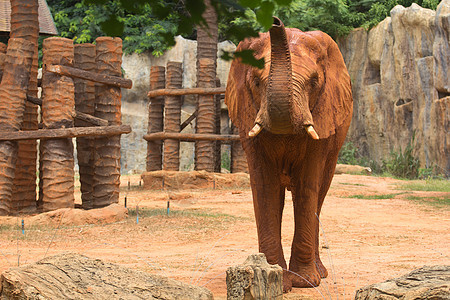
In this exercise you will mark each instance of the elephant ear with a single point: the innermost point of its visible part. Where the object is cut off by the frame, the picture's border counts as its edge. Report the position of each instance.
(335, 103)
(237, 95)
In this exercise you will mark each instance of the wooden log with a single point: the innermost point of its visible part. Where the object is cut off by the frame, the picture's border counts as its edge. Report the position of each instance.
(116, 81)
(108, 106)
(187, 91)
(155, 119)
(188, 120)
(85, 107)
(172, 117)
(217, 128)
(25, 24)
(13, 88)
(58, 108)
(190, 137)
(60, 133)
(78, 115)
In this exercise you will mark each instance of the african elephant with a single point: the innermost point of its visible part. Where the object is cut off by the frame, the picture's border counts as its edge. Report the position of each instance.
(293, 116)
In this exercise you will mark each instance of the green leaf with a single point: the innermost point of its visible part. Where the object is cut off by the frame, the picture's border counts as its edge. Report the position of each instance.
(264, 14)
(283, 2)
(247, 57)
(250, 3)
(112, 26)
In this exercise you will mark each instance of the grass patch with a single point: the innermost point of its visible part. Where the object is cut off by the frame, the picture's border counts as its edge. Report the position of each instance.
(438, 202)
(355, 184)
(432, 185)
(188, 213)
(374, 197)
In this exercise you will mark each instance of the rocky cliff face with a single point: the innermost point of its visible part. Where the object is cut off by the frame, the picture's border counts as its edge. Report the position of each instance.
(401, 87)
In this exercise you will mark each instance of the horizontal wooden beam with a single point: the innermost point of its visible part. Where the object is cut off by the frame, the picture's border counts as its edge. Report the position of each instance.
(61, 133)
(92, 76)
(190, 137)
(78, 115)
(182, 92)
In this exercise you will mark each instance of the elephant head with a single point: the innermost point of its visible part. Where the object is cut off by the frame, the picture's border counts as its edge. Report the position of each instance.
(303, 88)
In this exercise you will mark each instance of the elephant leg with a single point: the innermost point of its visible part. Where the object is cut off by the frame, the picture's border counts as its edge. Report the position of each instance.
(268, 202)
(307, 203)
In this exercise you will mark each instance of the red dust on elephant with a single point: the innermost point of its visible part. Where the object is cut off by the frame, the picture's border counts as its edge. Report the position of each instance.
(293, 116)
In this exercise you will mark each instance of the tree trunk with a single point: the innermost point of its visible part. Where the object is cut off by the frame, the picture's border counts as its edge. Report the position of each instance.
(108, 103)
(238, 160)
(25, 24)
(172, 119)
(58, 108)
(13, 90)
(206, 78)
(85, 103)
(155, 118)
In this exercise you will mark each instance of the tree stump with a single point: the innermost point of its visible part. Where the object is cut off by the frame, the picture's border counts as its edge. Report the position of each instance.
(255, 279)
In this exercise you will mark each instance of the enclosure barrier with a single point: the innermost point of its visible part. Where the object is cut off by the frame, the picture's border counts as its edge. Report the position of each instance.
(172, 134)
(66, 102)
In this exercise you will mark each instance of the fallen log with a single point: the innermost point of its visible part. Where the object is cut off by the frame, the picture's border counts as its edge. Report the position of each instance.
(59, 133)
(92, 76)
(181, 92)
(78, 115)
(190, 137)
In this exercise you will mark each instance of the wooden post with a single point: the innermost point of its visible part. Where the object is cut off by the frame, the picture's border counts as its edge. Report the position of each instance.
(155, 118)
(58, 108)
(13, 90)
(207, 37)
(172, 118)
(85, 102)
(25, 24)
(217, 144)
(108, 103)
(238, 160)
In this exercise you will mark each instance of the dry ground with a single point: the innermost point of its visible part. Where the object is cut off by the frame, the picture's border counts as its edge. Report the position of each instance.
(363, 241)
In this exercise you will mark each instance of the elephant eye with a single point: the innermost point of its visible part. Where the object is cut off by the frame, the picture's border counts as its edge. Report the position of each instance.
(314, 80)
(257, 81)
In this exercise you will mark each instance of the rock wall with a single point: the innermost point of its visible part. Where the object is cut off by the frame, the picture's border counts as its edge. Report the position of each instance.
(401, 87)
(135, 102)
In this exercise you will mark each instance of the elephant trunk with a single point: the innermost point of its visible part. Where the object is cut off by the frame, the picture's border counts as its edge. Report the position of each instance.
(280, 114)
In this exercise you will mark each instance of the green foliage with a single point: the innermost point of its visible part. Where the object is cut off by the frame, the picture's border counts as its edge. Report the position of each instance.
(226, 160)
(438, 202)
(348, 155)
(374, 197)
(84, 22)
(152, 24)
(403, 164)
(430, 185)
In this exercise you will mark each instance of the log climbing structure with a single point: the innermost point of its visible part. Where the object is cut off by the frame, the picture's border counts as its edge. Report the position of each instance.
(81, 98)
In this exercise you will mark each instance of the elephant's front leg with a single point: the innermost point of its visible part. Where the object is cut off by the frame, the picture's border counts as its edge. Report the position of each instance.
(268, 202)
(305, 196)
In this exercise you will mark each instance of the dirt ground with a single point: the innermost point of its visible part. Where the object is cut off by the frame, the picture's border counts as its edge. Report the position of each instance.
(363, 241)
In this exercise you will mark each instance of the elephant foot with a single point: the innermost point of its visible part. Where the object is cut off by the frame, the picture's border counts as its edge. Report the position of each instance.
(287, 282)
(305, 276)
(323, 272)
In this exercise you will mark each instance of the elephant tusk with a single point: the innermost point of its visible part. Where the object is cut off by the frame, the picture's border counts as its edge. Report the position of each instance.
(255, 130)
(312, 133)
